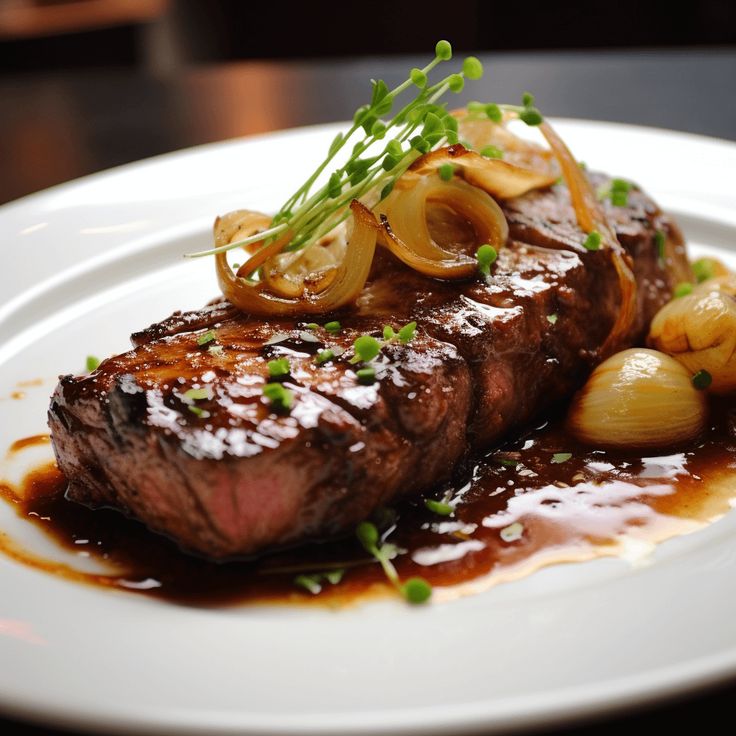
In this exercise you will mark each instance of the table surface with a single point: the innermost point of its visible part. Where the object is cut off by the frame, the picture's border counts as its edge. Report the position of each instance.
(63, 125)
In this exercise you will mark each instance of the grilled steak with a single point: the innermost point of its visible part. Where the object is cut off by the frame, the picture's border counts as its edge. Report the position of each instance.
(234, 477)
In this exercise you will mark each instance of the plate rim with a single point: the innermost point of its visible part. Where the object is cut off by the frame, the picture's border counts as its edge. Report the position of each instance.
(665, 682)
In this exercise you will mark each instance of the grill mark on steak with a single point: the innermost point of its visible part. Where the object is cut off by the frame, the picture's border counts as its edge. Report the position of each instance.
(485, 360)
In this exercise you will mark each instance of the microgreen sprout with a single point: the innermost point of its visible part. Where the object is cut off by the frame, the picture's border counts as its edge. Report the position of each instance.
(552, 319)
(407, 332)
(617, 190)
(312, 326)
(313, 582)
(323, 356)
(683, 289)
(206, 337)
(410, 130)
(561, 457)
(491, 152)
(702, 379)
(438, 507)
(446, 171)
(91, 363)
(592, 241)
(216, 350)
(280, 397)
(196, 394)
(486, 256)
(366, 348)
(333, 327)
(198, 411)
(278, 368)
(366, 376)
(660, 241)
(703, 269)
(414, 590)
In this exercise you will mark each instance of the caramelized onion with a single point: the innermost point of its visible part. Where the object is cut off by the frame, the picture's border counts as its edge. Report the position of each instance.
(498, 177)
(343, 287)
(404, 215)
(590, 217)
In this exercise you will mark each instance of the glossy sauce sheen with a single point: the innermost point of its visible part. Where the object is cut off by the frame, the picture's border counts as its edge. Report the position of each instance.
(569, 509)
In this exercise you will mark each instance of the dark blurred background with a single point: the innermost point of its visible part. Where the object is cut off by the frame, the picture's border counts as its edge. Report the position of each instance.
(162, 35)
(90, 84)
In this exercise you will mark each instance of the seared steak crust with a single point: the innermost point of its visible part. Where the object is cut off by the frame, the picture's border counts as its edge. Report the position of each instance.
(234, 477)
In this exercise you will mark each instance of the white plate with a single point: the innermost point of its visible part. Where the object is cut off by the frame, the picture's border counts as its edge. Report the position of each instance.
(85, 264)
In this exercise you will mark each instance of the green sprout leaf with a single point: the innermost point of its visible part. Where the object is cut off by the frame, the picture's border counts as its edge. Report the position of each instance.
(206, 337)
(683, 289)
(407, 332)
(593, 241)
(366, 348)
(486, 255)
(280, 397)
(438, 507)
(278, 368)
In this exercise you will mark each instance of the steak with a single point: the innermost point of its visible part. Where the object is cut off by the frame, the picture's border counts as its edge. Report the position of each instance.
(225, 474)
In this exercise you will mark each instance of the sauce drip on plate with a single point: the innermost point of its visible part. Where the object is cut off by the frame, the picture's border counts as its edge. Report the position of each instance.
(538, 500)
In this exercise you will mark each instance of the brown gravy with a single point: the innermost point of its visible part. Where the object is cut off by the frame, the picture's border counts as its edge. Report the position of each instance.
(517, 509)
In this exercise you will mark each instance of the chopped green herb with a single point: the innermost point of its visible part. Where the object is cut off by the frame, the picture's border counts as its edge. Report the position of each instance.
(527, 99)
(407, 332)
(508, 463)
(388, 332)
(512, 532)
(196, 394)
(367, 534)
(334, 576)
(593, 241)
(366, 376)
(313, 582)
(531, 116)
(446, 171)
(366, 348)
(703, 269)
(494, 113)
(486, 256)
(438, 507)
(660, 241)
(206, 337)
(491, 152)
(281, 398)
(323, 356)
(312, 326)
(617, 190)
(201, 413)
(92, 363)
(278, 368)
(309, 582)
(333, 326)
(561, 457)
(683, 289)
(415, 590)
(702, 379)
(552, 319)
